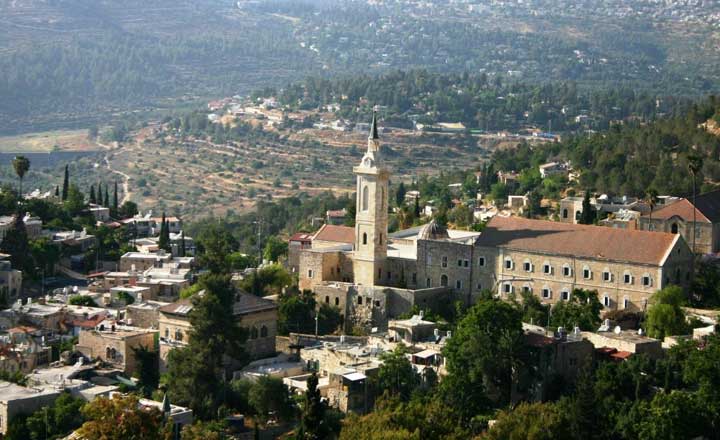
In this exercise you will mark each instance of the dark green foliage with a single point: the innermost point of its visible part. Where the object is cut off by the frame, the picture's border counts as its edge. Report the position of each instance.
(82, 300)
(400, 195)
(16, 244)
(665, 317)
(313, 413)
(93, 199)
(588, 212)
(297, 311)
(21, 165)
(581, 310)
(481, 356)
(397, 375)
(66, 184)
(197, 373)
(52, 422)
(147, 367)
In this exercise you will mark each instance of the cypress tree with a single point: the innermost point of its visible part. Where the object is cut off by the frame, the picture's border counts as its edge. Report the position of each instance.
(57, 190)
(182, 243)
(93, 199)
(106, 200)
(100, 194)
(588, 213)
(66, 184)
(163, 242)
(400, 195)
(417, 207)
(312, 423)
(115, 198)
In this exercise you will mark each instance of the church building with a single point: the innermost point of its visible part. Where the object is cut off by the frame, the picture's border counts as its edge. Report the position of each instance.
(373, 276)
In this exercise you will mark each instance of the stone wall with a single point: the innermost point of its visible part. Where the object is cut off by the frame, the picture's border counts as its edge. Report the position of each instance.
(116, 347)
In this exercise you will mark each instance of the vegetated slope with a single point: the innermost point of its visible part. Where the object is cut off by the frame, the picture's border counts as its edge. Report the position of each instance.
(72, 59)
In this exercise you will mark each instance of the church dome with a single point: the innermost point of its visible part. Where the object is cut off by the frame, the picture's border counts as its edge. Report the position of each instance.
(433, 231)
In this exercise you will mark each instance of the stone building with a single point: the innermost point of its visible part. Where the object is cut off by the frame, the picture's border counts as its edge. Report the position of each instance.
(678, 218)
(116, 346)
(377, 276)
(257, 315)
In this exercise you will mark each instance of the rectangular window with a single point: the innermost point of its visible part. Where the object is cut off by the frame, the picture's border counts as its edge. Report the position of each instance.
(507, 287)
(377, 303)
(628, 278)
(414, 277)
(481, 261)
(359, 300)
(546, 293)
(567, 271)
(547, 269)
(508, 264)
(444, 262)
(606, 301)
(466, 263)
(607, 276)
(527, 266)
(428, 283)
(459, 262)
(479, 286)
(310, 273)
(527, 289)
(389, 275)
(626, 303)
(565, 295)
(587, 274)
(646, 281)
(458, 284)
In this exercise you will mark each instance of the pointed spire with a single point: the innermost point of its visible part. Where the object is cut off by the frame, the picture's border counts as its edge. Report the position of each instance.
(373, 127)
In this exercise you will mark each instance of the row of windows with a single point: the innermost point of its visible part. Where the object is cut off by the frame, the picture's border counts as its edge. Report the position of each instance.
(547, 293)
(461, 262)
(587, 273)
(254, 332)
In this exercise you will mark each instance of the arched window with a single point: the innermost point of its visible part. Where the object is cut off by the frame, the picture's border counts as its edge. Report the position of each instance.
(365, 198)
(364, 237)
(327, 300)
(674, 228)
(444, 280)
(337, 301)
(565, 213)
(253, 333)
(263, 332)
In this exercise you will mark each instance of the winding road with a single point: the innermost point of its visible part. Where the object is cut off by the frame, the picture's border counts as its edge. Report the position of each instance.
(126, 178)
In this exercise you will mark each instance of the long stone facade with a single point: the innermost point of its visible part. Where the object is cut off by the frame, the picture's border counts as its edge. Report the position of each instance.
(379, 276)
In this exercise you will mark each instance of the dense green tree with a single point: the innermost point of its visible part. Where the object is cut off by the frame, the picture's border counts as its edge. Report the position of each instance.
(400, 195)
(588, 212)
(214, 246)
(93, 198)
(56, 420)
(127, 210)
(397, 375)
(530, 421)
(197, 372)
(75, 201)
(313, 421)
(82, 300)
(581, 310)
(482, 357)
(16, 244)
(270, 399)
(147, 369)
(665, 317)
(274, 249)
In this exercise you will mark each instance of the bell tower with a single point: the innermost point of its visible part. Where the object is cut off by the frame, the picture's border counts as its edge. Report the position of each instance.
(371, 218)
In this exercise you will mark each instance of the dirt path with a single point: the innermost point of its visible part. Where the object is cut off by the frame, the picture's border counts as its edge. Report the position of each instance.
(126, 178)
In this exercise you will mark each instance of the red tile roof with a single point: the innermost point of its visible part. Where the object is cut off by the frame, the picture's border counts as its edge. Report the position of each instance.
(340, 234)
(582, 241)
(682, 208)
(303, 237)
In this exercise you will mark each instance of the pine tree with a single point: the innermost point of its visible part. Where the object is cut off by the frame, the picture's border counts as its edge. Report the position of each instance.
(312, 423)
(66, 184)
(93, 199)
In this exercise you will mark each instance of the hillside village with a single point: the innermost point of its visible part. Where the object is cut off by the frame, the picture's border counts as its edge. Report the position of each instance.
(116, 294)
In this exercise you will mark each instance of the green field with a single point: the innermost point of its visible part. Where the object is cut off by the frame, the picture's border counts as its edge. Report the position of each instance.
(60, 140)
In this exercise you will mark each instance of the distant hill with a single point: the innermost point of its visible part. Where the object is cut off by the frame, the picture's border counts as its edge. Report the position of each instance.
(78, 60)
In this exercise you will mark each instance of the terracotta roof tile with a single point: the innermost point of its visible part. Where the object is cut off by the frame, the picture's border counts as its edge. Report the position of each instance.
(340, 234)
(586, 241)
(707, 209)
